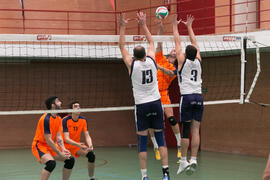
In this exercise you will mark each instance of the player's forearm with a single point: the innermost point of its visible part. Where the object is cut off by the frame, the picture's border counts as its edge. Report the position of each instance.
(60, 142)
(88, 141)
(74, 143)
(166, 71)
(177, 39)
(191, 35)
(52, 145)
(122, 38)
(147, 34)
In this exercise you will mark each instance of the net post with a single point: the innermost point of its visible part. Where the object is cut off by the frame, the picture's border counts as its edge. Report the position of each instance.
(243, 68)
(258, 59)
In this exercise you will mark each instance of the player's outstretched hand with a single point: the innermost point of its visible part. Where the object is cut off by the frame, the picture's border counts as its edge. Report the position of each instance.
(189, 21)
(174, 20)
(141, 18)
(122, 20)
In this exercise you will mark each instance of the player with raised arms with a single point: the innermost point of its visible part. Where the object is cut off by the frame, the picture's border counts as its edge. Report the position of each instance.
(164, 82)
(148, 109)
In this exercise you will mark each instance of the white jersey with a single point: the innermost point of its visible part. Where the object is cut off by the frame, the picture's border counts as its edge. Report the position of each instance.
(190, 77)
(144, 81)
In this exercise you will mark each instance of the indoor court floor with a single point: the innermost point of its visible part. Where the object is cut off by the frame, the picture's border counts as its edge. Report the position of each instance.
(122, 164)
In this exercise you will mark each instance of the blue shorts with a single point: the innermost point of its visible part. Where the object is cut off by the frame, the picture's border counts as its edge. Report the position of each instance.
(191, 107)
(149, 115)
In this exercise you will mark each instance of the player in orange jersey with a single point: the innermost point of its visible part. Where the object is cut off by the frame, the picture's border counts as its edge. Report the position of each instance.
(164, 82)
(44, 146)
(73, 125)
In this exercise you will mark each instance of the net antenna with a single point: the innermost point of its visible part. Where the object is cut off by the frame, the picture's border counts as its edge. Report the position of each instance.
(224, 75)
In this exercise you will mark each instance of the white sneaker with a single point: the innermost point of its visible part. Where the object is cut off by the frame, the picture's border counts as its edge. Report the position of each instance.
(193, 164)
(183, 166)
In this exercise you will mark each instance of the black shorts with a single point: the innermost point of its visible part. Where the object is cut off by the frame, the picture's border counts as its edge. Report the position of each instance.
(191, 107)
(149, 115)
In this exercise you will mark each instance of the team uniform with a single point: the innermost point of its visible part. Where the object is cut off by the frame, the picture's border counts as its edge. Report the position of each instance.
(47, 125)
(190, 83)
(164, 80)
(74, 128)
(148, 108)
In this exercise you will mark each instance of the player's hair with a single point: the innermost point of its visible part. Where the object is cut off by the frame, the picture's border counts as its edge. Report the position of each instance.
(139, 52)
(71, 104)
(191, 52)
(49, 101)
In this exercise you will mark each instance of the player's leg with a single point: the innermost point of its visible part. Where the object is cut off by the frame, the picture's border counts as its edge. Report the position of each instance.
(43, 155)
(175, 127)
(68, 165)
(168, 111)
(157, 122)
(50, 164)
(91, 157)
(185, 119)
(153, 139)
(142, 126)
(195, 130)
(142, 148)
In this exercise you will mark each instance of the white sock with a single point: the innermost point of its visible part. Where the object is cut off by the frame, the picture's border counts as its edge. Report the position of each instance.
(193, 158)
(166, 166)
(92, 177)
(183, 158)
(154, 142)
(178, 139)
(144, 172)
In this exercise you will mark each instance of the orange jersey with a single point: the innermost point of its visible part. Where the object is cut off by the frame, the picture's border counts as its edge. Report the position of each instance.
(164, 80)
(47, 124)
(74, 127)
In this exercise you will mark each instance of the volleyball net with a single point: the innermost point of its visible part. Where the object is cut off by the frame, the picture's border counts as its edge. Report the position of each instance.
(89, 68)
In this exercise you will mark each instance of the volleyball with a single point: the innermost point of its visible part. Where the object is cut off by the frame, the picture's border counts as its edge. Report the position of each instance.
(162, 12)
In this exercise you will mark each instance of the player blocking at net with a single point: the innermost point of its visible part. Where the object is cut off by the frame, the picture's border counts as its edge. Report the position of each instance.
(44, 148)
(73, 126)
(191, 101)
(148, 109)
(164, 82)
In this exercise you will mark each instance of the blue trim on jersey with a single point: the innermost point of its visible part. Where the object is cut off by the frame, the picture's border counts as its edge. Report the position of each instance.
(81, 117)
(64, 123)
(47, 124)
(131, 68)
(152, 60)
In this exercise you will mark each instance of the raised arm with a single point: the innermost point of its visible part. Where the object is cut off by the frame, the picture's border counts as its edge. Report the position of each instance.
(191, 34)
(177, 40)
(142, 22)
(159, 32)
(125, 54)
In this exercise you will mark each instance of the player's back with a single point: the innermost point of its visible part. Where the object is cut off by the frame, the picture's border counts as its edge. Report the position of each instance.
(189, 77)
(47, 124)
(144, 81)
(74, 127)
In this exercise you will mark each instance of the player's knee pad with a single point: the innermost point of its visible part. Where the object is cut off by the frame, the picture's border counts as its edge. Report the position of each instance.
(186, 129)
(50, 165)
(91, 157)
(142, 143)
(159, 135)
(172, 120)
(69, 163)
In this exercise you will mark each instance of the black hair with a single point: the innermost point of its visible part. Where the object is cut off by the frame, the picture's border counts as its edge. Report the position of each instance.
(49, 101)
(139, 52)
(71, 104)
(191, 52)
